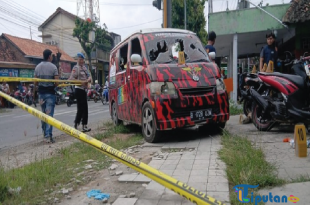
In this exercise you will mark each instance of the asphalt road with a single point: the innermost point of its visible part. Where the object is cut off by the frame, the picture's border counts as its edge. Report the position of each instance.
(18, 127)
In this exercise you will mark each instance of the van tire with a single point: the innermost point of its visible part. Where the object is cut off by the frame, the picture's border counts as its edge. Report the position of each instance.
(148, 123)
(115, 119)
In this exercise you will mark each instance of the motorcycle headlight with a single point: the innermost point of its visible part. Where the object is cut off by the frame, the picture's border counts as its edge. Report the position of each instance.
(162, 88)
(220, 86)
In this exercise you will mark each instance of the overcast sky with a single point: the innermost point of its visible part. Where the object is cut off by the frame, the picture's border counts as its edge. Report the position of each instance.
(120, 16)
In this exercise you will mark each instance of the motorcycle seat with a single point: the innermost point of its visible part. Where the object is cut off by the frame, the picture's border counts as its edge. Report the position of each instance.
(296, 79)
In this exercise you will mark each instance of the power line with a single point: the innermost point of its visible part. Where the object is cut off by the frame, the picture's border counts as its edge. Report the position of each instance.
(135, 25)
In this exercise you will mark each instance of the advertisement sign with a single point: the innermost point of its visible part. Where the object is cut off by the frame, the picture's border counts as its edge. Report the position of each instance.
(4, 72)
(65, 67)
(26, 73)
(64, 70)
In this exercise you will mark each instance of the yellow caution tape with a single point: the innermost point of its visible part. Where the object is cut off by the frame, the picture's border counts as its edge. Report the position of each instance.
(65, 85)
(175, 185)
(17, 79)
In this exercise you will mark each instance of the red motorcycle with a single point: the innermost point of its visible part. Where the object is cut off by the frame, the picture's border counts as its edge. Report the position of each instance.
(285, 97)
(93, 94)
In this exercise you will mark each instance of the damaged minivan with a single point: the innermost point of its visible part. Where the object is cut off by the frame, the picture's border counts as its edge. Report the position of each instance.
(162, 79)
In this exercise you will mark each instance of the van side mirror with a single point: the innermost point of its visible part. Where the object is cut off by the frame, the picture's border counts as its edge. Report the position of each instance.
(136, 59)
(212, 55)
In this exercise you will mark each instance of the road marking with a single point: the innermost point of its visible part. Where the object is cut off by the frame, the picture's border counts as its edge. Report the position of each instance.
(6, 115)
(63, 113)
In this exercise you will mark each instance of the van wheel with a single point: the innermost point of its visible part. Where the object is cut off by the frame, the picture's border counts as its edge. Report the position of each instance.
(149, 128)
(115, 119)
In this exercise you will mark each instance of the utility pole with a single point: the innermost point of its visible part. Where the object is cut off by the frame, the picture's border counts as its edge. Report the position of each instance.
(30, 32)
(167, 11)
(185, 14)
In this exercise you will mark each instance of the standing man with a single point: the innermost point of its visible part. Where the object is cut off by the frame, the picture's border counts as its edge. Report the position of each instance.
(269, 52)
(79, 72)
(211, 41)
(6, 90)
(46, 90)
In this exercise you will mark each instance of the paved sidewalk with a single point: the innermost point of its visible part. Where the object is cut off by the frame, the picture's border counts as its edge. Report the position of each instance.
(198, 166)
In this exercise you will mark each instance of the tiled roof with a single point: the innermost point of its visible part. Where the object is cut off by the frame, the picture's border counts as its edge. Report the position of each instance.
(299, 11)
(58, 10)
(34, 48)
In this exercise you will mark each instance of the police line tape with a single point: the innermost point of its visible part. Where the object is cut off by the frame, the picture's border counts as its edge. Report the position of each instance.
(17, 79)
(179, 187)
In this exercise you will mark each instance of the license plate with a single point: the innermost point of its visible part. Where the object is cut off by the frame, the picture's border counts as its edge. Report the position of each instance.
(67, 98)
(200, 114)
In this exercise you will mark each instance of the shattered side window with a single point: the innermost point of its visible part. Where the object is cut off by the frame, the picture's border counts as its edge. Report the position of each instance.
(164, 48)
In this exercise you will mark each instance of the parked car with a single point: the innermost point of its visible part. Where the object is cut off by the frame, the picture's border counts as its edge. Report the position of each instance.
(163, 79)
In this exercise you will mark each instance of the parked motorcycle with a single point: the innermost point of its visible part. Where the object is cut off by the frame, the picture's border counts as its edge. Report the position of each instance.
(93, 94)
(249, 80)
(29, 97)
(59, 96)
(105, 95)
(70, 97)
(285, 99)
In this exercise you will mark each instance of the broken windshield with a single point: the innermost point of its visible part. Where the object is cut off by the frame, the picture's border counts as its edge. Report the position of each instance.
(164, 48)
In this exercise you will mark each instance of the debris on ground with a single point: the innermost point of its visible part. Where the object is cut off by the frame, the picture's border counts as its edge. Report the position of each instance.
(113, 167)
(97, 194)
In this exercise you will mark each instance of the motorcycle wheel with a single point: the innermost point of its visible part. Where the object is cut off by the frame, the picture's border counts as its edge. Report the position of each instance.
(259, 121)
(57, 101)
(95, 99)
(247, 107)
(69, 103)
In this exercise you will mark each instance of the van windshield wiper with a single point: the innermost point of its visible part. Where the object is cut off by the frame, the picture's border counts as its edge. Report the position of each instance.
(200, 60)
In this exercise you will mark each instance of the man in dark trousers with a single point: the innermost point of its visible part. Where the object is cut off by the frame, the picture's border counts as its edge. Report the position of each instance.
(46, 90)
(269, 52)
(80, 72)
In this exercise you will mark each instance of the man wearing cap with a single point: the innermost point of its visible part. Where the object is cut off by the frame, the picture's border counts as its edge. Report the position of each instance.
(46, 90)
(80, 72)
(211, 41)
(269, 52)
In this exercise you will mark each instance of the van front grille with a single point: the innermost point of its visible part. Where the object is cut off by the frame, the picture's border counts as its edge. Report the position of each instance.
(196, 91)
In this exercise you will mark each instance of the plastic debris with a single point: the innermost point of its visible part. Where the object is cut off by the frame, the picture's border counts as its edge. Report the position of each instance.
(292, 143)
(97, 194)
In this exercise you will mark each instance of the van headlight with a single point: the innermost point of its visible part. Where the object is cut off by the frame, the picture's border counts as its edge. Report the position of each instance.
(220, 85)
(162, 88)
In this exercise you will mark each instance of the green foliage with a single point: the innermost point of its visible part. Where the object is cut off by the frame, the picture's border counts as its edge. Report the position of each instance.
(3, 186)
(102, 39)
(195, 17)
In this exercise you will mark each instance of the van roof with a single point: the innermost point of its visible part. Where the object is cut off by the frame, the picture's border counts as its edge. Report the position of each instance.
(155, 30)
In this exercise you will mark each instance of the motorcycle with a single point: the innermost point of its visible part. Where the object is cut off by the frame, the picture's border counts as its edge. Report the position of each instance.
(70, 97)
(285, 97)
(105, 95)
(30, 98)
(21, 96)
(59, 96)
(93, 94)
(248, 81)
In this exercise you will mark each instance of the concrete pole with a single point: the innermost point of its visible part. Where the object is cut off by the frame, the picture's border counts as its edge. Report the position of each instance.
(248, 64)
(235, 68)
(185, 14)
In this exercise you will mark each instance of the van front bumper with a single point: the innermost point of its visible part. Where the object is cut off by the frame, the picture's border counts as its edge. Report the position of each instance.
(171, 114)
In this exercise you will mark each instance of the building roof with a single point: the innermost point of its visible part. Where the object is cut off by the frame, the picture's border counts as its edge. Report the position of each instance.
(6, 64)
(58, 10)
(31, 48)
(299, 11)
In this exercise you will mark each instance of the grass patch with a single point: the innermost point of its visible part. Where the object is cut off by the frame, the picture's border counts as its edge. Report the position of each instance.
(246, 165)
(302, 178)
(234, 109)
(63, 170)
